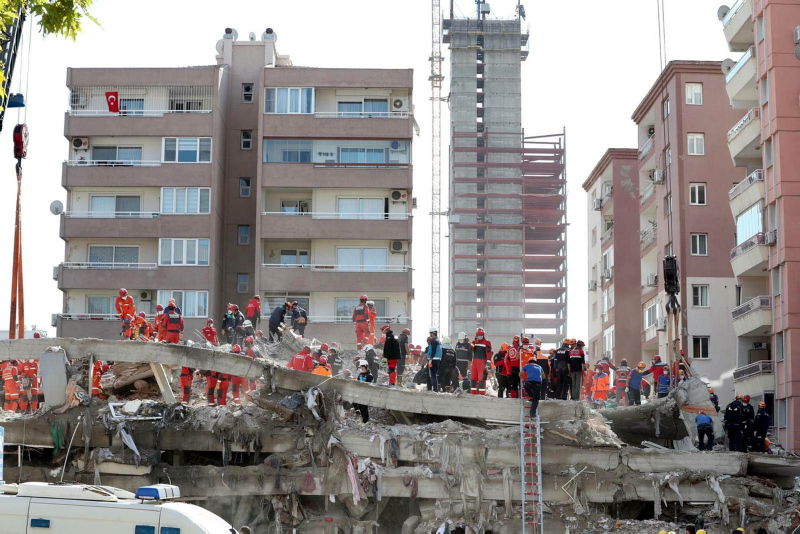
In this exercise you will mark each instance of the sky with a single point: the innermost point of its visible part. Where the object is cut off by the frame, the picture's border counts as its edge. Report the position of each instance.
(590, 64)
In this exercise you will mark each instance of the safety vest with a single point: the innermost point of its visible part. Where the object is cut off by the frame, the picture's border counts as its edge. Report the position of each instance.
(360, 314)
(525, 354)
(622, 375)
(600, 384)
(174, 321)
(10, 373)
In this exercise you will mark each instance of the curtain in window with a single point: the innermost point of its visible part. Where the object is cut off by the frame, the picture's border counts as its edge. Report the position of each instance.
(166, 252)
(130, 153)
(128, 205)
(98, 305)
(348, 208)
(269, 101)
(167, 200)
(283, 100)
(381, 107)
(376, 155)
(177, 251)
(205, 149)
(180, 200)
(187, 149)
(205, 200)
(100, 254)
(102, 207)
(348, 259)
(170, 149)
(351, 155)
(202, 303)
(302, 257)
(131, 106)
(104, 153)
(202, 251)
(191, 252)
(345, 307)
(372, 208)
(189, 308)
(192, 197)
(307, 100)
(294, 100)
(349, 109)
(126, 254)
(749, 223)
(163, 297)
(178, 296)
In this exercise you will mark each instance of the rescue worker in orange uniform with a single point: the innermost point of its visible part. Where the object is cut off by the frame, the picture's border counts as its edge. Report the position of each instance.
(372, 313)
(361, 320)
(588, 384)
(11, 386)
(126, 309)
(323, 368)
(142, 327)
(23, 368)
(600, 385)
(481, 351)
(225, 381)
(526, 352)
(543, 361)
(157, 330)
(30, 372)
(210, 333)
(97, 372)
(238, 382)
(172, 325)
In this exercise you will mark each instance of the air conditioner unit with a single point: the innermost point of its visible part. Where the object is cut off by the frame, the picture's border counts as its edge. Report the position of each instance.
(661, 325)
(597, 205)
(658, 177)
(399, 246)
(608, 274)
(771, 237)
(80, 143)
(146, 296)
(399, 196)
(77, 101)
(55, 273)
(592, 285)
(651, 131)
(53, 319)
(400, 104)
(652, 280)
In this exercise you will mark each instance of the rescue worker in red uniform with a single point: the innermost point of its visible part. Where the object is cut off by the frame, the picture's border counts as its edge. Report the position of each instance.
(157, 330)
(225, 381)
(302, 361)
(23, 368)
(361, 320)
(97, 372)
(513, 366)
(126, 309)
(210, 333)
(11, 386)
(239, 382)
(502, 368)
(253, 310)
(657, 368)
(31, 370)
(481, 351)
(172, 324)
(621, 381)
(543, 361)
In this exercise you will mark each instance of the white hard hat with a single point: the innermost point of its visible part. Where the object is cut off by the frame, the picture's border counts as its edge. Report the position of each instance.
(462, 335)
(433, 330)
(445, 340)
(367, 347)
(363, 363)
(370, 303)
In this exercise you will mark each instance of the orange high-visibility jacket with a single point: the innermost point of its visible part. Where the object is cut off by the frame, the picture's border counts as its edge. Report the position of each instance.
(125, 306)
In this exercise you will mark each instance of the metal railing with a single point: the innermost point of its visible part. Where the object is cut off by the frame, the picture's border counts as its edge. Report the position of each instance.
(648, 236)
(348, 319)
(353, 165)
(732, 12)
(345, 216)
(111, 214)
(650, 332)
(763, 367)
(608, 234)
(755, 176)
(141, 101)
(110, 163)
(647, 193)
(747, 56)
(743, 247)
(757, 303)
(108, 265)
(93, 316)
(753, 114)
(361, 114)
(321, 267)
(646, 148)
(608, 192)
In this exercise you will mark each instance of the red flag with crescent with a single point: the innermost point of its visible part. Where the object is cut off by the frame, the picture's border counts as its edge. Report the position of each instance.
(112, 98)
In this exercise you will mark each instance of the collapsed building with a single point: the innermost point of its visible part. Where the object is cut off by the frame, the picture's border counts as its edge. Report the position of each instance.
(292, 457)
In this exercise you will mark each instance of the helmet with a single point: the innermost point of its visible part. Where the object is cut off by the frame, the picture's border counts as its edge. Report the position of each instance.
(526, 341)
(236, 349)
(641, 365)
(209, 321)
(656, 358)
(385, 327)
(624, 362)
(363, 363)
(363, 298)
(433, 330)
(479, 332)
(249, 340)
(247, 322)
(566, 341)
(171, 306)
(324, 347)
(367, 347)
(762, 405)
(257, 296)
(579, 343)
(711, 390)
(123, 292)
(323, 360)
(259, 333)
(516, 338)
(446, 340)
(462, 336)
(504, 346)
(746, 398)
(159, 307)
(407, 331)
(235, 307)
(360, 346)
(142, 315)
(537, 341)
(295, 304)
(371, 303)
(682, 353)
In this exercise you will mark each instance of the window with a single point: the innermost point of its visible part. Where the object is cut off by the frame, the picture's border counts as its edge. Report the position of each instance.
(186, 150)
(699, 244)
(779, 357)
(289, 100)
(120, 206)
(651, 314)
(700, 347)
(361, 208)
(697, 144)
(665, 110)
(594, 236)
(247, 140)
(191, 303)
(131, 106)
(667, 204)
(776, 280)
(244, 187)
(697, 194)
(782, 407)
(345, 307)
(332, 151)
(244, 234)
(759, 29)
(668, 156)
(608, 299)
(749, 223)
(700, 295)
(370, 107)
(294, 257)
(99, 305)
(293, 207)
(769, 156)
(242, 283)
(362, 259)
(247, 93)
(109, 255)
(183, 252)
(608, 341)
(117, 155)
(608, 259)
(363, 155)
(694, 94)
(185, 200)
(764, 89)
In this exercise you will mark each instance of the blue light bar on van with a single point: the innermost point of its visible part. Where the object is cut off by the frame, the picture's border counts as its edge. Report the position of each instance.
(159, 492)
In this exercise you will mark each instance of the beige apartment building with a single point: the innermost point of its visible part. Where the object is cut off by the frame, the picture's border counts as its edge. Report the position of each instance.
(214, 183)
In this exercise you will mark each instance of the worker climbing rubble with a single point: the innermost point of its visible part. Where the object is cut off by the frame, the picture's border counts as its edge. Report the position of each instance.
(361, 320)
(252, 311)
(299, 319)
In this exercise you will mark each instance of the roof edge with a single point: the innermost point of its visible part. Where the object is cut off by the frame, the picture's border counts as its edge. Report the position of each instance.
(610, 155)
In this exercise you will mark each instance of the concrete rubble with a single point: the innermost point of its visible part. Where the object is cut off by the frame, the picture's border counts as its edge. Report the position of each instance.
(424, 459)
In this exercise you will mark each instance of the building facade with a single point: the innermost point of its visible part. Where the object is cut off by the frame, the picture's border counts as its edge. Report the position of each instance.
(762, 87)
(613, 230)
(253, 176)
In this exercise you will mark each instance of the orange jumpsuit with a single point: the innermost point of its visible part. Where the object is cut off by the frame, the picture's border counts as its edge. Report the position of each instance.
(588, 384)
(361, 322)
(372, 315)
(159, 332)
(239, 382)
(141, 328)
(324, 370)
(126, 310)
(11, 386)
(97, 373)
(31, 370)
(600, 387)
(526, 353)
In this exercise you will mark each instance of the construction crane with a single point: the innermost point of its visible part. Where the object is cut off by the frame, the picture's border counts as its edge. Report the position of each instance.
(10, 38)
(436, 159)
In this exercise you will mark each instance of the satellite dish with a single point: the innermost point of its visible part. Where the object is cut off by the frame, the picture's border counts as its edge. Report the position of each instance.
(219, 46)
(797, 51)
(722, 12)
(235, 35)
(56, 207)
(727, 65)
(252, 36)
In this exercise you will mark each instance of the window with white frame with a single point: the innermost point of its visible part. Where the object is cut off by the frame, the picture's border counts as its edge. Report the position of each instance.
(699, 244)
(608, 299)
(295, 207)
(111, 255)
(697, 194)
(345, 307)
(668, 156)
(186, 150)
(292, 256)
(191, 303)
(242, 283)
(183, 252)
(608, 259)
(700, 295)
(608, 341)
(115, 206)
(700, 347)
(243, 234)
(782, 415)
(117, 155)
(244, 187)
(361, 208)
(369, 107)
(666, 109)
(247, 93)
(362, 259)
(185, 200)
(694, 94)
(651, 314)
(99, 305)
(289, 100)
(696, 144)
(247, 140)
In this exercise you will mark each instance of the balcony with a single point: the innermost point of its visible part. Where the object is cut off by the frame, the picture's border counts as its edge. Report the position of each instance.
(751, 257)
(390, 125)
(747, 192)
(738, 26)
(754, 379)
(646, 149)
(76, 173)
(344, 278)
(101, 275)
(98, 326)
(607, 235)
(132, 224)
(334, 175)
(740, 82)
(754, 317)
(744, 140)
(318, 225)
(648, 237)
(166, 123)
(647, 194)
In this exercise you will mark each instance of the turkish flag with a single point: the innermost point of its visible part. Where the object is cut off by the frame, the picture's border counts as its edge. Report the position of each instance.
(112, 98)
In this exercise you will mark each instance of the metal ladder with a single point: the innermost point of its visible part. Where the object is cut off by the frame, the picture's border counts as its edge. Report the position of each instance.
(530, 469)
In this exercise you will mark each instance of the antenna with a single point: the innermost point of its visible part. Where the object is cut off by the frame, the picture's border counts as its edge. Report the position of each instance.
(56, 207)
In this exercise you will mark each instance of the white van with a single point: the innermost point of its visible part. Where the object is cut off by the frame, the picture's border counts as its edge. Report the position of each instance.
(41, 508)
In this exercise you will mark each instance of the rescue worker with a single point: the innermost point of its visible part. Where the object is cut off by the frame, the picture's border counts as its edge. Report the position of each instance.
(621, 382)
(238, 382)
(713, 398)
(29, 372)
(299, 319)
(276, 320)
(562, 362)
(239, 332)
(228, 324)
(588, 384)
(732, 422)
(336, 361)
(142, 327)
(11, 386)
(761, 424)
(172, 324)
(447, 367)
(97, 373)
(532, 375)
(224, 381)
(526, 352)
(663, 383)
(23, 368)
(252, 311)
(577, 366)
(364, 376)
(635, 384)
(513, 366)
(705, 428)
(210, 333)
(502, 371)
(748, 414)
(403, 340)
(323, 368)
(361, 320)
(767, 448)
(463, 351)
(543, 361)
(211, 386)
(157, 323)
(302, 361)
(126, 309)
(657, 368)
(372, 313)
(600, 385)
(391, 351)
(433, 354)
(481, 353)
(372, 359)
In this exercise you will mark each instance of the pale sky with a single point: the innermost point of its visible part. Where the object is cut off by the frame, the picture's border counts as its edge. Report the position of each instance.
(590, 64)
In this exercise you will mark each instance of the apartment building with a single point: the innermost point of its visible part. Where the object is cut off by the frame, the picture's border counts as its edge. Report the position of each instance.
(684, 175)
(211, 184)
(762, 86)
(613, 230)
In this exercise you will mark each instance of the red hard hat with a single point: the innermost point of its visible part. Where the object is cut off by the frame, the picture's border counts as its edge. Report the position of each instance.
(324, 346)
(406, 331)
(385, 327)
(294, 303)
(480, 332)
(746, 398)
(234, 306)
(259, 333)
(142, 315)
(258, 297)
(363, 297)
(323, 360)
(249, 340)
(236, 349)
(209, 321)
(526, 341)
(159, 307)
(123, 292)
(656, 358)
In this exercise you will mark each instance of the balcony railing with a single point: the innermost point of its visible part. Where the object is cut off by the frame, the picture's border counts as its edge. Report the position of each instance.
(751, 115)
(755, 176)
(94, 316)
(646, 148)
(608, 234)
(397, 319)
(161, 100)
(361, 115)
(345, 216)
(758, 303)
(108, 265)
(110, 163)
(732, 12)
(647, 194)
(763, 367)
(111, 214)
(341, 268)
(739, 64)
(743, 247)
(648, 236)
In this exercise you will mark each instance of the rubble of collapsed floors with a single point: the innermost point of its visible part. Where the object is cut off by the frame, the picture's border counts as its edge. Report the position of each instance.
(293, 457)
